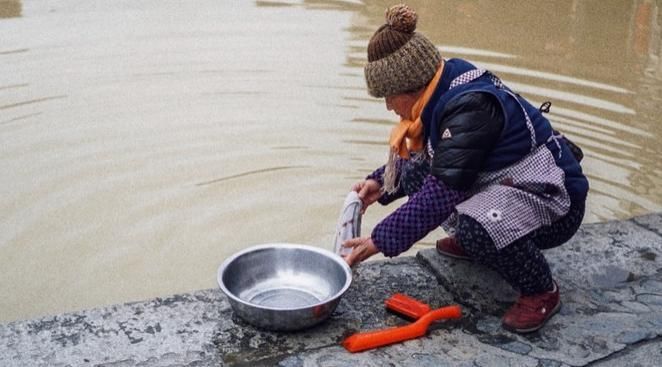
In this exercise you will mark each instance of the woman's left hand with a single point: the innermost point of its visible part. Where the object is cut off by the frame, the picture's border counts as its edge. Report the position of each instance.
(362, 248)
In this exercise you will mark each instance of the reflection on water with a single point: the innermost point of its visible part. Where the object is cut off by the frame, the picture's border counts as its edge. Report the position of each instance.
(143, 142)
(10, 8)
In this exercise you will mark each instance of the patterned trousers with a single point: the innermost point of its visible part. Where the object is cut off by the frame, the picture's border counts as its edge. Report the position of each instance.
(520, 263)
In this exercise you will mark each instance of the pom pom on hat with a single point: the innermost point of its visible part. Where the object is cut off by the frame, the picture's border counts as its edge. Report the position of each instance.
(401, 18)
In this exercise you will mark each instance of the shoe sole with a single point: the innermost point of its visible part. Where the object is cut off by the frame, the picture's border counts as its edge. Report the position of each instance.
(460, 257)
(536, 328)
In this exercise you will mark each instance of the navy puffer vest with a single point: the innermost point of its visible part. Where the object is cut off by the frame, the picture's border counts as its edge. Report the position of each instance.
(516, 139)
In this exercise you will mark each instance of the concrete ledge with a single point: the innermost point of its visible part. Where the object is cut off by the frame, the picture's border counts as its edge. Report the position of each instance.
(610, 277)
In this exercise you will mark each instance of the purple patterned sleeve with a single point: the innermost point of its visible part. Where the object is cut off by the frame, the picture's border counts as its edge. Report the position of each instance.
(423, 212)
(377, 175)
(386, 198)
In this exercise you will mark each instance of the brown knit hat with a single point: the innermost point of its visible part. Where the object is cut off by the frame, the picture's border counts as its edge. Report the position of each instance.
(399, 59)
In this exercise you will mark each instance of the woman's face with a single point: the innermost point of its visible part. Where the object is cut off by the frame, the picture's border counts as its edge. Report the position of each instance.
(401, 104)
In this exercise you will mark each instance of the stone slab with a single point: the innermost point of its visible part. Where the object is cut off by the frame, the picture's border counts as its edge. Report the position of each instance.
(610, 289)
(609, 276)
(652, 222)
(644, 355)
(201, 329)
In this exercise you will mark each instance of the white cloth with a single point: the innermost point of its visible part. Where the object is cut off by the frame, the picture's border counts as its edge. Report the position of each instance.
(349, 223)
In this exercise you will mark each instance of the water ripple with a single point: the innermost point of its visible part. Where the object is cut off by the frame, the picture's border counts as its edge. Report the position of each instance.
(249, 173)
(551, 77)
(32, 101)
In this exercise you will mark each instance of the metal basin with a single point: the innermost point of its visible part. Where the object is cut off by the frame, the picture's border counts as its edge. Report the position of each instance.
(284, 286)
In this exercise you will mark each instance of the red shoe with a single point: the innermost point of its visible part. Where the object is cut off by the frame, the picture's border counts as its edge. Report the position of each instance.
(448, 246)
(530, 313)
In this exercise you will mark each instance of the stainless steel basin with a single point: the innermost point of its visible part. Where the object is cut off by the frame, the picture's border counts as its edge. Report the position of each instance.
(284, 286)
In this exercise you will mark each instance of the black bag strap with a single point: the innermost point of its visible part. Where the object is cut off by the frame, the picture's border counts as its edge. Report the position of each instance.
(574, 148)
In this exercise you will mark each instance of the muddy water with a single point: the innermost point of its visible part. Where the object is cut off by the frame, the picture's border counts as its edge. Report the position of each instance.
(142, 142)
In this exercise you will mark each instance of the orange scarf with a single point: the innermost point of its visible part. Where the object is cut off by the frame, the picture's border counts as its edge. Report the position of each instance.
(407, 136)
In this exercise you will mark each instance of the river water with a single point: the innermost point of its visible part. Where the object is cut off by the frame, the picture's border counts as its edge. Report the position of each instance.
(142, 142)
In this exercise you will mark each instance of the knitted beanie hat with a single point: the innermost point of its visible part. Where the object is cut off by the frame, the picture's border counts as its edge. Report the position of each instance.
(399, 59)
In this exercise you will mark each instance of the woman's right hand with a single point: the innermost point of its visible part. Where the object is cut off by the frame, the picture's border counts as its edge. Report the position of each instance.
(369, 191)
(362, 248)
